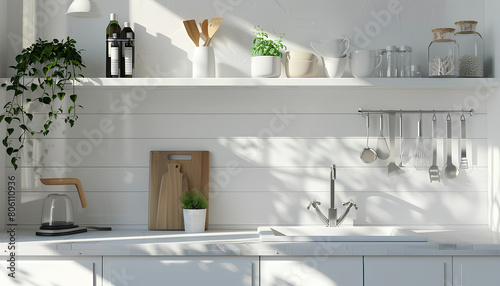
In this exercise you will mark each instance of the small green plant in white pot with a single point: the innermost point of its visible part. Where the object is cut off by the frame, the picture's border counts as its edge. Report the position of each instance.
(266, 55)
(194, 211)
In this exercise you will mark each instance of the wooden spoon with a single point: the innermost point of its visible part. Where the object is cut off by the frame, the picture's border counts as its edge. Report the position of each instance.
(213, 27)
(193, 32)
(204, 30)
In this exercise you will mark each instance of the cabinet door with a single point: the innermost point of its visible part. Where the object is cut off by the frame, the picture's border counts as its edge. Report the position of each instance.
(51, 271)
(408, 271)
(470, 271)
(220, 270)
(309, 270)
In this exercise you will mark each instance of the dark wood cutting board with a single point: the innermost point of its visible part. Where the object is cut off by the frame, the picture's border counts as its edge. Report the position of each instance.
(171, 173)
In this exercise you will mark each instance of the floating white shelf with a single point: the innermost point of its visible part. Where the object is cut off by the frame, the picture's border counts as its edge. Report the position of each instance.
(382, 83)
(412, 83)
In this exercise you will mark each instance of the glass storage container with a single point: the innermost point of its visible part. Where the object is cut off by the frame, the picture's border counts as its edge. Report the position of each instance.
(404, 61)
(391, 56)
(471, 49)
(382, 69)
(443, 54)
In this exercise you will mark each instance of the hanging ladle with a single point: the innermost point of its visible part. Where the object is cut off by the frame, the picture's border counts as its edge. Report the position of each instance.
(368, 155)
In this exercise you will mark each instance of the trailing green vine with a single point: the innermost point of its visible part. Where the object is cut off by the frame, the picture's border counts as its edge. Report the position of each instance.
(41, 74)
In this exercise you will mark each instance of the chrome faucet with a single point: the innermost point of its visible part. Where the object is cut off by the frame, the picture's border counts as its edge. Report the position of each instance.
(332, 220)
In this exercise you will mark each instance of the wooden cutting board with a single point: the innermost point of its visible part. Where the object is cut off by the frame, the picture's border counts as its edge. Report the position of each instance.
(171, 173)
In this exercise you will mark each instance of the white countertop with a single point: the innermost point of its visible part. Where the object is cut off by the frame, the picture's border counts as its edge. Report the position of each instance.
(225, 242)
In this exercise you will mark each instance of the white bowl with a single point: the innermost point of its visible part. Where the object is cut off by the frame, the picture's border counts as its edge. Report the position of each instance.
(301, 69)
(300, 56)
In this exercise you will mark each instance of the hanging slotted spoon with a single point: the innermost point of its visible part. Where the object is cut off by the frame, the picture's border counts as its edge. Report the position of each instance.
(382, 147)
(434, 170)
(368, 155)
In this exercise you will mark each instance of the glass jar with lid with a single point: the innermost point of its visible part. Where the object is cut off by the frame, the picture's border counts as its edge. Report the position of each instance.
(392, 64)
(443, 54)
(404, 61)
(471, 49)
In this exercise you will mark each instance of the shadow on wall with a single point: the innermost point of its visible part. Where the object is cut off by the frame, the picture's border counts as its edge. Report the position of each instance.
(152, 61)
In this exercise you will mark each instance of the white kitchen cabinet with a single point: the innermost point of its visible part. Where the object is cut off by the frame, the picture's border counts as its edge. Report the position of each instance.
(220, 270)
(470, 271)
(408, 271)
(53, 271)
(311, 270)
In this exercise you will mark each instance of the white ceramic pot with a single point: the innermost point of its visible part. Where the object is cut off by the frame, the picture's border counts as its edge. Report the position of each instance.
(194, 220)
(266, 66)
(203, 62)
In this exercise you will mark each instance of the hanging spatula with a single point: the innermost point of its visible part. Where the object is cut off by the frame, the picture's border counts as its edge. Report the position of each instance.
(193, 32)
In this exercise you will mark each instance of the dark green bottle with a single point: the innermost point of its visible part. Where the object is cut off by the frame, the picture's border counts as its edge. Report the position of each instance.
(127, 60)
(113, 28)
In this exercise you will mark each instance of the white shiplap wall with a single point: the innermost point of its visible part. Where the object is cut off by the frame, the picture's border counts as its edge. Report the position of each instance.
(265, 166)
(271, 149)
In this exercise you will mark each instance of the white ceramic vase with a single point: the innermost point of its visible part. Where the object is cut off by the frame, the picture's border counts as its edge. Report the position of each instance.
(266, 66)
(203, 62)
(194, 220)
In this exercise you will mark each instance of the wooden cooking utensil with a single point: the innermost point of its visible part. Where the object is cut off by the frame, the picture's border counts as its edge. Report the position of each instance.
(173, 184)
(68, 181)
(213, 26)
(192, 31)
(204, 30)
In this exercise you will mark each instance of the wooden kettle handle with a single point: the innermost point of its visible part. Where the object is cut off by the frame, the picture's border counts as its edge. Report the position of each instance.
(68, 181)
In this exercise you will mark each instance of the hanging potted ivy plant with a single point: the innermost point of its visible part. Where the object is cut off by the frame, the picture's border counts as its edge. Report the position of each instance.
(266, 55)
(42, 73)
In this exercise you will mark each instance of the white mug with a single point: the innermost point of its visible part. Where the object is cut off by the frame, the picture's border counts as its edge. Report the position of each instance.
(364, 62)
(335, 48)
(334, 67)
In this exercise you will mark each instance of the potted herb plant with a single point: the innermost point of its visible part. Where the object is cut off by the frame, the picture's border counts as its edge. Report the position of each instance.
(42, 72)
(194, 211)
(266, 55)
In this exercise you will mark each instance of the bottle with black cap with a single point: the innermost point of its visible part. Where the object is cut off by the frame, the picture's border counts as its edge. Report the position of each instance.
(113, 28)
(127, 59)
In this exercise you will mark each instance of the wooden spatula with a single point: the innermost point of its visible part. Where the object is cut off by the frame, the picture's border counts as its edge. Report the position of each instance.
(213, 26)
(192, 30)
(204, 30)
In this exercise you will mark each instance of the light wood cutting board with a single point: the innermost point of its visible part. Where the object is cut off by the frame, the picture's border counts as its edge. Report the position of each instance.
(171, 173)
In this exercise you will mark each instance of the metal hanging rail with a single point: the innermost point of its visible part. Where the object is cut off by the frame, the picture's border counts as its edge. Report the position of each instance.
(387, 111)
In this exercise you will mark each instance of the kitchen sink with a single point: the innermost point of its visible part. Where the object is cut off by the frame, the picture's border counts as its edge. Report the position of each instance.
(338, 234)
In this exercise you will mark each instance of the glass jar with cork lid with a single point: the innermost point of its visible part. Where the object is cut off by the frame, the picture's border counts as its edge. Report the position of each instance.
(471, 49)
(443, 54)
